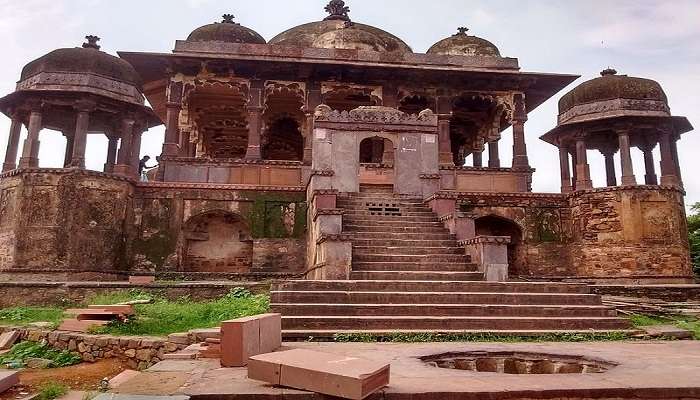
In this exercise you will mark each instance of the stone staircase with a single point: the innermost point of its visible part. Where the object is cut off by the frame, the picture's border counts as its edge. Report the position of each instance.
(410, 275)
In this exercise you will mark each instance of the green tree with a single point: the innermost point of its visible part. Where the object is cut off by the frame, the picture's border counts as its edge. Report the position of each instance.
(694, 237)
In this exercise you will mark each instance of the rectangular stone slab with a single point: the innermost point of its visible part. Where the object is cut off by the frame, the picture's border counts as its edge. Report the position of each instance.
(8, 379)
(240, 339)
(334, 375)
(270, 332)
(8, 339)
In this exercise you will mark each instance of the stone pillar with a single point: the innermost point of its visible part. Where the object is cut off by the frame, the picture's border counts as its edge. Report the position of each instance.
(69, 148)
(583, 172)
(574, 173)
(255, 109)
(626, 158)
(136, 147)
(313, 100)
(494, 158)
(111, 153)
(520, 159)
(30, 149)
(478, 158)
(676, 160)
(650, 177)
(444, 111)
(610, 175)
(390, 96)
(668, 164)
(565, 171)
(124, 157)
(171, 146)
(12, 145)
(82, 123)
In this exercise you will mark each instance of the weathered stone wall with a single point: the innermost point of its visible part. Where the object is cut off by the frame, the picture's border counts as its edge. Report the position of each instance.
(63, 220)
(632, 233)
(200, 229)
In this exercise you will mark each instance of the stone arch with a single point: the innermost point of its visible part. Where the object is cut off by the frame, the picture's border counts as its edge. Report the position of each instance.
(496, 225)
(377, 150)
(216, 241)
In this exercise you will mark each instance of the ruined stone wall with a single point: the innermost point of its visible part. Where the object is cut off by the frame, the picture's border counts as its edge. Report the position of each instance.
(632, 233)
(202, 229)
(63, 220)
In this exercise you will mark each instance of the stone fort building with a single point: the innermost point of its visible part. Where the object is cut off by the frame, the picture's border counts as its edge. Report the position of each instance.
(334, 152)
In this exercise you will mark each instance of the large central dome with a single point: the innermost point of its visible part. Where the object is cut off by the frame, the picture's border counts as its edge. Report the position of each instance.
(337, 31)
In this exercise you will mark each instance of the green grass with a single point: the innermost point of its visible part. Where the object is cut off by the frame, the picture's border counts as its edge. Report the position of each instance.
(25, 350)
(27, 315)
(681, 321)
(51, 391)
(163, 316)
(484, 337)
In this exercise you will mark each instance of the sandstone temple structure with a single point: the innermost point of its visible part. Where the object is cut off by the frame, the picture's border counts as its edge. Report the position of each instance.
(335, 152)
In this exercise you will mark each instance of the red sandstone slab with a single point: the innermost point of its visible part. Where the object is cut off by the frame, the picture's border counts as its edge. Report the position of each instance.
(142, 280)
(270, 332)
(334, 375)
(74, 325)
(124, 309)
(240, 339)
(122, 378)
(8, 379)
(8, 339)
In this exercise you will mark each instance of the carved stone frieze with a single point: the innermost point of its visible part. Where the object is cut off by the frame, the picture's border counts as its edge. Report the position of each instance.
(375, 115)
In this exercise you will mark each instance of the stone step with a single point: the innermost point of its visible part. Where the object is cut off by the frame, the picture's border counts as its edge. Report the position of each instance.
(418, 243)
(412, 215)
(413, 258)
(376, 297)
(450, 323)
(303, 335)
(365, 204)
(392, 220)
(431, 286)
(406, 250)
(393, 228)
(401, 236)
(427, 265)
(442, 310)
(417, 275)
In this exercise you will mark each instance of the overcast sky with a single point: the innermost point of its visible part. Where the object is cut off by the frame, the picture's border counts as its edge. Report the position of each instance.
(652, 39)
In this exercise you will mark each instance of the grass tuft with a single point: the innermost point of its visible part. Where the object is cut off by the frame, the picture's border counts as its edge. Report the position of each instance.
(27, 315)
(18, 355)
(51, 391)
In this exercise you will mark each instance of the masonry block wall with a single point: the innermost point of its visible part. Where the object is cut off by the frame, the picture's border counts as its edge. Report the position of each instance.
(63, 220)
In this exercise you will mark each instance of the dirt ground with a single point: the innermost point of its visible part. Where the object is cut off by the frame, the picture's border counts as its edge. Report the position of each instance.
(85, 377)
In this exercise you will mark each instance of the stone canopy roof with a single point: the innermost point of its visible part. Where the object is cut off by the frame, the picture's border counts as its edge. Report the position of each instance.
(88, 59)
(461, 44)
(227, 31)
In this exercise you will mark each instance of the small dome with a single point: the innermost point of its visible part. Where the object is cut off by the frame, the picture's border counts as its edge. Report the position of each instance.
(227, 31)
(611, 86)
(337, 31)
(461, 44)
(88, 59)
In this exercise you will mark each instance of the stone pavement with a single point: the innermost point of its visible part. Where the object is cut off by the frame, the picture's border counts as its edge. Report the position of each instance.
(645, 370)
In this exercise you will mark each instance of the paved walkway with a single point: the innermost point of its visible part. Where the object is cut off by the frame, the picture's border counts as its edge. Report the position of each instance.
(645, 370)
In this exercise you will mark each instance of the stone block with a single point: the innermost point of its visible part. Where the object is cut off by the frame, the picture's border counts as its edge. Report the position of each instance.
(142, 280)
(667, 331)
(124, 309)
(329, 374)
(270, 332)
(8, 379)
(240, 339)
(73, 325)
(179, 338)
(8, 339)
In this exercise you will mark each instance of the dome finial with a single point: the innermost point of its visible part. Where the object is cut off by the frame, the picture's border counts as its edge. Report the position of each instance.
(608, 71)
(228, 19)
(337, 10)
(91, 42)
(462, 30)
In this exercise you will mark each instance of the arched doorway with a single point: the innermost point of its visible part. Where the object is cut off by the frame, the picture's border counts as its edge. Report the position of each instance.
(376, 161)
(492, 225)
(283, 140)
(216, 241)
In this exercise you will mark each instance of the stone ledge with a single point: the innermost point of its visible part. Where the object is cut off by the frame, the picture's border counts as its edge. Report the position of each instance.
(342, 237)
(626, 187)
(75, 171)
(179, 185)
(232, 161)
(486, 239)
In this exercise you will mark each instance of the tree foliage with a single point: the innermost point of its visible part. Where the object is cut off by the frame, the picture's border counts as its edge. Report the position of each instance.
(694, 237)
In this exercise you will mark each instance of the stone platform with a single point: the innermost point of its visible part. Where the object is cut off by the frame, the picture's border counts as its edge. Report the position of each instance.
(644, 370)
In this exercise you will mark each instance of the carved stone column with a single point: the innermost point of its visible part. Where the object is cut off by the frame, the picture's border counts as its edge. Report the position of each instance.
(124, 157)
(111, 153)
(30, 149)
(494, 158)
(565, 170)
(255, 109)
(668, 165)
(520, 159)
(139, 128)
(583, 172)
(626, 158)
(478, 158)
(610, 175)
(676, 160)
(574, 172)
(313, 100)
(69, 148)
(12, 145)
(444, 111)
(171, 146)
(82, 123)
(650, 177)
